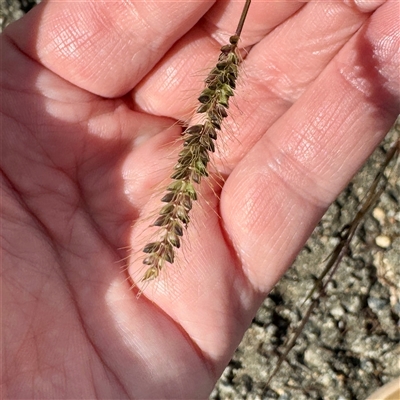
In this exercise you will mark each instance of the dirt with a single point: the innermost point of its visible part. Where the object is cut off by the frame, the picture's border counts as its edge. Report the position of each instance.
(350, 346)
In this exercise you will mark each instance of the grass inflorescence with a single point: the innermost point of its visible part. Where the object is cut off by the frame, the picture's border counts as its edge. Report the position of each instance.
(198, 143)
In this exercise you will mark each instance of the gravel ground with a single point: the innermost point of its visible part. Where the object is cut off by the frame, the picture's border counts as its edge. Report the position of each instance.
(350, 346)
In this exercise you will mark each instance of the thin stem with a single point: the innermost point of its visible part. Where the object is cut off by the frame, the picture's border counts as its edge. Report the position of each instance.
(243, 18)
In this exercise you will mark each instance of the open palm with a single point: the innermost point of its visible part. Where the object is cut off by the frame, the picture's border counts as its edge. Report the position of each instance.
(90, 94)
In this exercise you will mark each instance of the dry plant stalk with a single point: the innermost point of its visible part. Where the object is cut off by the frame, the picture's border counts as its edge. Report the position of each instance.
(198, 143)
(342, 248)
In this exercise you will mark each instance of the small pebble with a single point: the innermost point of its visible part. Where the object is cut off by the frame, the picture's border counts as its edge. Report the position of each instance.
(379, 215)
(367, 366)
(337, 312)
(383, 241)
(376, 304)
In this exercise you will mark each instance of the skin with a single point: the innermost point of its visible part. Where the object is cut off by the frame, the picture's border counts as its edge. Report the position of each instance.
(90, 94)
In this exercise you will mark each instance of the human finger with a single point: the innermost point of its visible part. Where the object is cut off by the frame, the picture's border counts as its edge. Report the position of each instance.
(103, 47)
(179, 76)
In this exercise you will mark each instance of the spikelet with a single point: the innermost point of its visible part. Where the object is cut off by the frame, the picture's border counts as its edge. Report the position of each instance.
(198, 143)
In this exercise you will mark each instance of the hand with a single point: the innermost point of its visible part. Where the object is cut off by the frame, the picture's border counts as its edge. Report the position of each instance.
(90, 94)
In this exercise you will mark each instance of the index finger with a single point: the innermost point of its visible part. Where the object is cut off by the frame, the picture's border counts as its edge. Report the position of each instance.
(104, 47)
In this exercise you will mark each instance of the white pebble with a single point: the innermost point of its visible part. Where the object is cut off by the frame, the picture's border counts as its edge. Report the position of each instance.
(383, 241)
(379, 215)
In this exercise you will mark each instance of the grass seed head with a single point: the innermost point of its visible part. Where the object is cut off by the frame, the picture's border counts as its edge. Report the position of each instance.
(192, 164)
